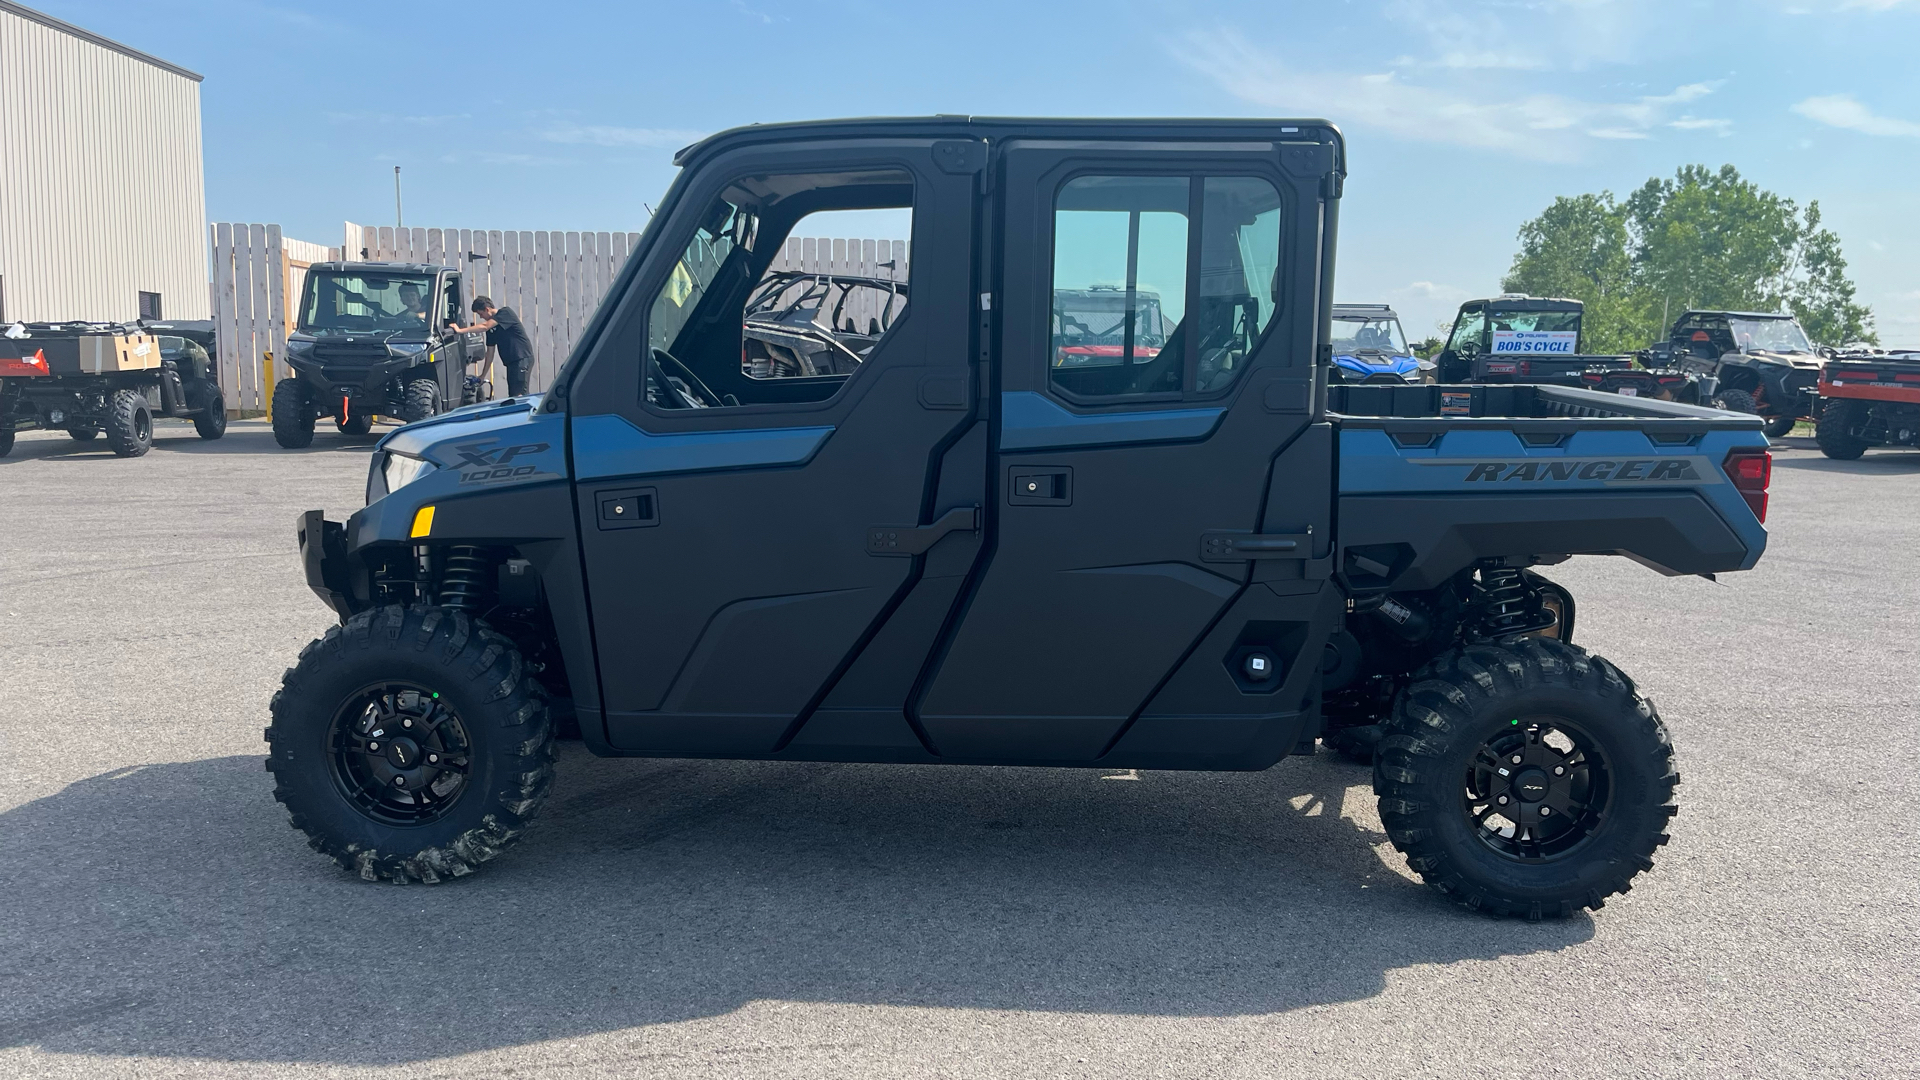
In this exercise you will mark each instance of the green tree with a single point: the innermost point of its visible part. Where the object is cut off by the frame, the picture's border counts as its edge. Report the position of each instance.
(1702, 239)
(1578, 248)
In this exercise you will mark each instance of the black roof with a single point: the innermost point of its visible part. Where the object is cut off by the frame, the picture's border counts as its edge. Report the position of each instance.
(1527, 303)
(1690, 312)
(378, 267)
(1003, 127)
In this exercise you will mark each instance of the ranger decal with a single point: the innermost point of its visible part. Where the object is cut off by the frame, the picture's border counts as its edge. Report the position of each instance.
(1663, 470)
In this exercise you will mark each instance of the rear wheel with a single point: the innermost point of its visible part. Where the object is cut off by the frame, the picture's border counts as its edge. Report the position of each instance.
(410, 744)
(129, 423)
(82, 432)
(292, 414)
(1777, 426)
(422, 400)
(6, 437)
(1840, 420)
(211, 421)
(1738, 401)
(1525, 779)
(355, 425)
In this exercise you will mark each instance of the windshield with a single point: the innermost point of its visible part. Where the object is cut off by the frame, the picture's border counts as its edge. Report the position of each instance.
(1543, 321)
(366, 302)
(1089, 326)
(1368, 335)
(699, 264)
(1769, 335)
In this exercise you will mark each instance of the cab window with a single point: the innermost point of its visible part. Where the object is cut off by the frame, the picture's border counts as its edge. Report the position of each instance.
(745, 317)
(1145, 304)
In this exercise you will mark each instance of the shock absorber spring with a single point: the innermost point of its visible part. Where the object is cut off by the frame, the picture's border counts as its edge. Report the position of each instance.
(1508, 605)
(463, 581)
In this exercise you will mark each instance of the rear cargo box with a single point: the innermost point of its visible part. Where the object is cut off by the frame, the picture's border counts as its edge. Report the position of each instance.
(101, 354)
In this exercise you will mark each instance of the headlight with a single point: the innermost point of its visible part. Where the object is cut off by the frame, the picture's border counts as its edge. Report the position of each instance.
(401, 470)
(409, 348)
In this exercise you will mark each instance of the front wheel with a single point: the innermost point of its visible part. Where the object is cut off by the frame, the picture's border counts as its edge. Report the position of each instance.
(292, 414)
(1526, 779)
(211, 421)
(410, 744)
(421, 401)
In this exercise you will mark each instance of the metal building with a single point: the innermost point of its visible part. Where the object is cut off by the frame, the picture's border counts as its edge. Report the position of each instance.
(102, 200)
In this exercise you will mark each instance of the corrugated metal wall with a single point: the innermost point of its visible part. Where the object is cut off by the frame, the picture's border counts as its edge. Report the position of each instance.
(101, 190)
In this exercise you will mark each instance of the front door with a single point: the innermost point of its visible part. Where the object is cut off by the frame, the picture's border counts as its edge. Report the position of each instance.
(758, 436)
(1157, 309)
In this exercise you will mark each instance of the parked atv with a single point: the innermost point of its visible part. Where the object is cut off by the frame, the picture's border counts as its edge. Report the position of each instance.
(88, 379)
(1867, 399)
(1661, 384)
(370, 341)
(1370, 347)
(1763, 363)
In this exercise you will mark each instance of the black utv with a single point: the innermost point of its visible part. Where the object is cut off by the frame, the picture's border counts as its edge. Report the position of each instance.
(951, 542)
(89, 379)
(371, 340)
(1763, 362)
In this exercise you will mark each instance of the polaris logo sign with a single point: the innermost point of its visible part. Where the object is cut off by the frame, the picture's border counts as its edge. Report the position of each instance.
(1536, 342)
(1609, 472)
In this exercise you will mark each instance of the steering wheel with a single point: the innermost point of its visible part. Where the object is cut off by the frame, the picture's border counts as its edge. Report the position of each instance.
(667, 362)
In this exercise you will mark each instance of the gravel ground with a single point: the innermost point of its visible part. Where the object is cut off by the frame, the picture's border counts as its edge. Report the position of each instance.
(694, 919)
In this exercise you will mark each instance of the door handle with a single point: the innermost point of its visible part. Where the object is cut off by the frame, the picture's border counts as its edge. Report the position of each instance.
(916, 539)
(1225, 545)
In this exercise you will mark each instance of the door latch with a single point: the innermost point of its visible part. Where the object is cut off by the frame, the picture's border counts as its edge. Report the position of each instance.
(916, 539)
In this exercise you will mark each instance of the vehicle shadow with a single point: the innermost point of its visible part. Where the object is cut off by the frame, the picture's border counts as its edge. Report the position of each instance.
(168, 910)
(1894, 461)
(179, 438)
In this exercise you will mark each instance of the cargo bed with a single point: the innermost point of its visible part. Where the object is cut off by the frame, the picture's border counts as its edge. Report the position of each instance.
(1431, 476)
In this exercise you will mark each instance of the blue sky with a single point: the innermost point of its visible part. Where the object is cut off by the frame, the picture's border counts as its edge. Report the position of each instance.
(1464, 117)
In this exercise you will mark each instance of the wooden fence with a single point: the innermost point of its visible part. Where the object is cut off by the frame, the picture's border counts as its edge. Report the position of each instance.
(553, 280)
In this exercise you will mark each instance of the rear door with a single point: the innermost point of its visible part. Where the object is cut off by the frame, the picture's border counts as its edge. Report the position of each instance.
(749, 522)
(1155, 309)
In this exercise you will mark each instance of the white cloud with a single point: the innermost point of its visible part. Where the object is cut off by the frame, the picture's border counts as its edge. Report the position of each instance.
(1722, 128)
(605, 135)
(1545, 127)
(1842, 111)
(1538, 35)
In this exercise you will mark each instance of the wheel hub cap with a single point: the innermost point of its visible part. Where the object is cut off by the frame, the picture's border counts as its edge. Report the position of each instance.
(1536, 790)
(399, 754)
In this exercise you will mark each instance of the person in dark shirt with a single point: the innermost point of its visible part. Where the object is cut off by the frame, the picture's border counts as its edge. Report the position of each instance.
(505, 333)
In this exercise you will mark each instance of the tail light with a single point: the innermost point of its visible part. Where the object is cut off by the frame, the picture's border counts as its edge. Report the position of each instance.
(1751, 470)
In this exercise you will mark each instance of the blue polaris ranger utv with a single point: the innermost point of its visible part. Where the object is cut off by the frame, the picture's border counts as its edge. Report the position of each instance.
(1370, 347)
(957, 548)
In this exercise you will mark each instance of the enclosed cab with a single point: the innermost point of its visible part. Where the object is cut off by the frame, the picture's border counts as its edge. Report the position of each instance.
(1515, 338)
(1081, 501)
(372, 340)
(1369, 346)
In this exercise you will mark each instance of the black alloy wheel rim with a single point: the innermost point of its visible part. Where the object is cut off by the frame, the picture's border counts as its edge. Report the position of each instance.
(399, 753)
(1536, 790)
(142, 426)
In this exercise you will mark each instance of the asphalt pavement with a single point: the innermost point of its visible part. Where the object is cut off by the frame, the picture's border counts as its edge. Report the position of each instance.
(711, 919)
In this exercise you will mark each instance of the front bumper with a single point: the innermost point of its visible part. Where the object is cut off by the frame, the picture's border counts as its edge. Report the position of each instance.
(323, 555)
